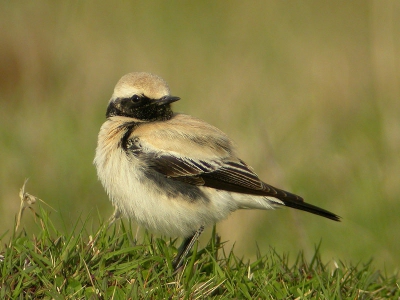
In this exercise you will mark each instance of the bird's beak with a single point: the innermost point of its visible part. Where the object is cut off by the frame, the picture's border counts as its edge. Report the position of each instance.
(166, 100)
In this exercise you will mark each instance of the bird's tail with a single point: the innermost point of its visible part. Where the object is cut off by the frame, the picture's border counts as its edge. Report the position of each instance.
(297, 202)
(301, 205)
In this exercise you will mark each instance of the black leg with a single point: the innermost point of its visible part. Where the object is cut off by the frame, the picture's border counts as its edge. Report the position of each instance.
(184, 248)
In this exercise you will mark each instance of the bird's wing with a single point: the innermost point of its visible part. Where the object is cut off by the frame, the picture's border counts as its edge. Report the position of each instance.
(192, 151)
(218, 174)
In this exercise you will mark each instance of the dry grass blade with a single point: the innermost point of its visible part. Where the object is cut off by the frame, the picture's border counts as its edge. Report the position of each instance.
(27, 201)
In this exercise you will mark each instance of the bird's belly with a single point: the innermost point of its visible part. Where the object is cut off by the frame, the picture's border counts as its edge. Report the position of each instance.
(162, 204)
(165, 213)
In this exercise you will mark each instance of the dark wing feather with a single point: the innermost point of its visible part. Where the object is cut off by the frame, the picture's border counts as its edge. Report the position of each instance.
(229, 176)
(176, 167)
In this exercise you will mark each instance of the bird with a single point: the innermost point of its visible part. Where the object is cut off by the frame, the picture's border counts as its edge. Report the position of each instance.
(172, 173)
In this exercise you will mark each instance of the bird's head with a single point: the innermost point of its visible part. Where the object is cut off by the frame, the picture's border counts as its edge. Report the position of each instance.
(142, 96)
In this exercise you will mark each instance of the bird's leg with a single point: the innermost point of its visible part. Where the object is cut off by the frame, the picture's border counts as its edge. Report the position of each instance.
(185, 247)
(115, 216)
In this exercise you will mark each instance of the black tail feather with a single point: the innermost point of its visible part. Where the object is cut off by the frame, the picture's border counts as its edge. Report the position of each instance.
(311, 209)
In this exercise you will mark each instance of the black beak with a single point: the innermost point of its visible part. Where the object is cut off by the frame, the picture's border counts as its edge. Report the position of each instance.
(166, 100)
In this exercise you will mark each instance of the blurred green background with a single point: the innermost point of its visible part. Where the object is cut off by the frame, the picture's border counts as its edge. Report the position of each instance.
(308, 90)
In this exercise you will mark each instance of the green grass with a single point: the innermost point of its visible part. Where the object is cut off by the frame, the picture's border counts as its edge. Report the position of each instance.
(110, 263)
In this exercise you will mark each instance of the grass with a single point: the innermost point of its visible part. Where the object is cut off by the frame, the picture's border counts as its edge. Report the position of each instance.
(110, 263)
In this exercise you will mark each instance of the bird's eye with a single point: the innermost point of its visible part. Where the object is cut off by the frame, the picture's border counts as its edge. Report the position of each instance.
(136, 99)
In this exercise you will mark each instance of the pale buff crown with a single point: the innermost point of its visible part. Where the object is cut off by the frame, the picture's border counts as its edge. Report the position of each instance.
(141, 83)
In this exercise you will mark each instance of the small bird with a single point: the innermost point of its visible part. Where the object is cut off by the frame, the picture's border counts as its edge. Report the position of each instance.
(173, 173)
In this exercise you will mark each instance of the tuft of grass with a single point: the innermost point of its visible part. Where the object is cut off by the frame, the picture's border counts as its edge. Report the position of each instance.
(113, 264)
